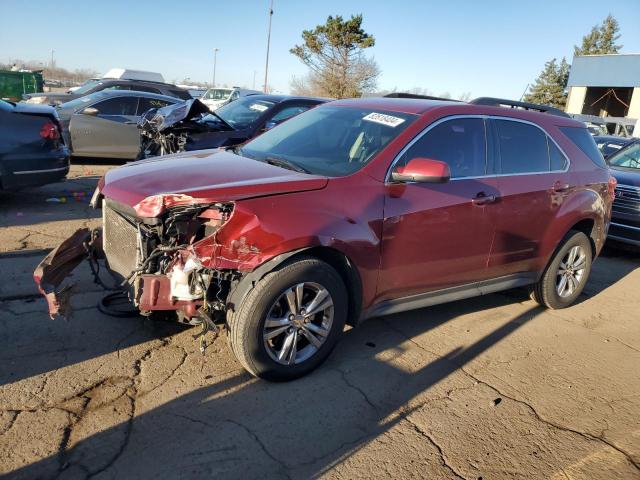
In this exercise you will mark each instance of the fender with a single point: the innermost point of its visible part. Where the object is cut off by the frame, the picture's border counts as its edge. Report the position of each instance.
(583, 204)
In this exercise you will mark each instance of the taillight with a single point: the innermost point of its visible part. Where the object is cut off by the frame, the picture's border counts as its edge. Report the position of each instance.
(50, 131)
(613, 183)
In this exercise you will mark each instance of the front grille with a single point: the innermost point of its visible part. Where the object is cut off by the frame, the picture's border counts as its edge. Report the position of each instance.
(627, 199)
(120, 240)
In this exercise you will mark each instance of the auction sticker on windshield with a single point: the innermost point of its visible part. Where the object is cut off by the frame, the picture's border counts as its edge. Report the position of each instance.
(388, 120)
(258, 107)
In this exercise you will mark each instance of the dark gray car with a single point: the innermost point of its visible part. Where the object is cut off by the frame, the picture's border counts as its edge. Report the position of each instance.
(99, 84)
(32, 151)
(104, 124)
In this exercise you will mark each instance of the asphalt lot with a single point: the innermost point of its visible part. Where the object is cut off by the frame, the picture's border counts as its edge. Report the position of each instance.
(487, 388)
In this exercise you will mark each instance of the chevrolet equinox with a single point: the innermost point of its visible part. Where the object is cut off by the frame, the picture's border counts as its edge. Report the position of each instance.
(354, 209)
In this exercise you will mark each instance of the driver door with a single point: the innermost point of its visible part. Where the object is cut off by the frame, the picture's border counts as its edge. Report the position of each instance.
(110, 132)
(437, 236)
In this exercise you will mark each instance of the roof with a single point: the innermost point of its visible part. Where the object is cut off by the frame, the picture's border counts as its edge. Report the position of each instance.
(133, 93)
(615, 70)
(402, 105)
(282, 98)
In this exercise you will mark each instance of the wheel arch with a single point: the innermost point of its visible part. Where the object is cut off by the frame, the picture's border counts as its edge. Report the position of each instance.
(333, 257)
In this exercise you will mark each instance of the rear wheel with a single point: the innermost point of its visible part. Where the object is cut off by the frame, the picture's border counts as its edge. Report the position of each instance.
(290, 321)
(567, 273)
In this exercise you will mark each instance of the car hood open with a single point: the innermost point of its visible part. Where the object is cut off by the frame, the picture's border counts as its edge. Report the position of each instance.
(206, 175)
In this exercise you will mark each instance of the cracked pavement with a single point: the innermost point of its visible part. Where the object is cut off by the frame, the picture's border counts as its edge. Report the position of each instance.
(491, 388)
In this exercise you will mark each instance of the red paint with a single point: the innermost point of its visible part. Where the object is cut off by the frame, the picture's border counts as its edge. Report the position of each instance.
(402, 238)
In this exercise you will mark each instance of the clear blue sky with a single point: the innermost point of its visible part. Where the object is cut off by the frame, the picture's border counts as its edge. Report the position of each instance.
(484, 47)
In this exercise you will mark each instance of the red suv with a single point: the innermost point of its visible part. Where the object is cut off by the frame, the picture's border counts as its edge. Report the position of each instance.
(354, 209)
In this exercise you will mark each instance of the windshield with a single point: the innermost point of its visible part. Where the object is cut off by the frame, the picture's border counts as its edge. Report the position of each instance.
(627, 158)
(243, 112)
(86, 86)
(329, 140)
(217, 94)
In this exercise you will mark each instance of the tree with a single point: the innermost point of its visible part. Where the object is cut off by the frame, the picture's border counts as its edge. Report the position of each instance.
(335, 54)
(549, 87)
(601, 39)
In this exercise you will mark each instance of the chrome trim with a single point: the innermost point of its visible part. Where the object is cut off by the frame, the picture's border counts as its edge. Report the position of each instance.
(48, 170)
(621, 225)
(484, 117)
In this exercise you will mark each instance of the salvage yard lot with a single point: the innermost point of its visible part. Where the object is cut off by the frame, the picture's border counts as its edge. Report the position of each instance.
(492, 387)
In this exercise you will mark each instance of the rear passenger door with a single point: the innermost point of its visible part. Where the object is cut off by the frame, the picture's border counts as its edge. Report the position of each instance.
(533, 182)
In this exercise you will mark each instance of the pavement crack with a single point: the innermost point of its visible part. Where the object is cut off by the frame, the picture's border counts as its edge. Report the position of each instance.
(16, 414)
(353, 386)
(443, 457)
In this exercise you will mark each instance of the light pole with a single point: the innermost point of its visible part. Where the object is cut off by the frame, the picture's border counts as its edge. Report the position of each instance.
(215, 57)
(266, 66)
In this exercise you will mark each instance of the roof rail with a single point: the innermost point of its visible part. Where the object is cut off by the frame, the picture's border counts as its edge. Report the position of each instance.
(501, 102)
(414, 95)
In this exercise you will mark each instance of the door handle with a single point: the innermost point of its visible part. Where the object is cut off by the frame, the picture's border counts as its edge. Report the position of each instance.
(483, 199)
(559, 187)
(129, 122)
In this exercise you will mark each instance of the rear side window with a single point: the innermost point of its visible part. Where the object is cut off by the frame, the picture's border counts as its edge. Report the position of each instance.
(557, 160)
(523, 147)
(585, 142)
(459, 142)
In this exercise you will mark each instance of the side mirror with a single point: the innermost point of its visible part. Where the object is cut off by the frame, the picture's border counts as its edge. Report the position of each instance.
(422, 170)
(90, 111)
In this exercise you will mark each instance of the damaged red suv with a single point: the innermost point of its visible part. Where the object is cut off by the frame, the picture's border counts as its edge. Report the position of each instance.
(355, 209)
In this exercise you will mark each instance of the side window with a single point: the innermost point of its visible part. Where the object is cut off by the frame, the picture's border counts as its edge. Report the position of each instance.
(459, 142)
(147, 104)
(585, 142)
(523, 147)
(557, 160)
(288, 112)
(117, 106)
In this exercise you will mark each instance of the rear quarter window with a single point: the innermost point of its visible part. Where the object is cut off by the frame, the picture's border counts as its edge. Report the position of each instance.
(584, 141)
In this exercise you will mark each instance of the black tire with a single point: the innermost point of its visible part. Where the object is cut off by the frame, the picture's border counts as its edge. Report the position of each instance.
(545, 292)
(247, 323)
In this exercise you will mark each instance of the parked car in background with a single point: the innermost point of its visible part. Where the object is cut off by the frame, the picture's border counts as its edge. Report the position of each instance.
(354, 209)
(104, 124)
(215, 98)
(610, 144)
(191, 126)
(625, 215)
(124, 80)
(32, 150)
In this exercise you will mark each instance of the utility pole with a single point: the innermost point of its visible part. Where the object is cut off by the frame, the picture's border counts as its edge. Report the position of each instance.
(52, 61)
(215, 57)
(254, 79)
(266, 66)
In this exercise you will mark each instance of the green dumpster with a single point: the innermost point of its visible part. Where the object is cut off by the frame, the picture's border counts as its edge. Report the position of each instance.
(14, 84)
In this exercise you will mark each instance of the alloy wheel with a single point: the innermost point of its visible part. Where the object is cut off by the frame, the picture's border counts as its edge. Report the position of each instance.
(298, 323)
(571, 271)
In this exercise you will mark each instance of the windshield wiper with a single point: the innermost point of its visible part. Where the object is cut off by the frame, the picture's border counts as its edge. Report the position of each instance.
(281, 162)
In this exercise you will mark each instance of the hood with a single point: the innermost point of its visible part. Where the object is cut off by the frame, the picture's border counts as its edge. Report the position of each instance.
(202, 177)
(161, 119)
(626, 176)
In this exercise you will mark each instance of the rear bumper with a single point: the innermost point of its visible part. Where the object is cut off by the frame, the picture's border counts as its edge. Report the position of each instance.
(30, 170)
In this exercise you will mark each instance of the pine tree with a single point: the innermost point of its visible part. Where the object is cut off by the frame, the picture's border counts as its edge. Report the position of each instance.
(549, 87)
(601, 39)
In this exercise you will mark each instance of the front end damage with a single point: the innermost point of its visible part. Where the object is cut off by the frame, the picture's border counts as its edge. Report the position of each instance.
(164, 253)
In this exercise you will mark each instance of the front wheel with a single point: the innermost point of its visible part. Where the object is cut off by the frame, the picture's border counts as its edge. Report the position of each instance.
(566, 275)
(290, 321)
